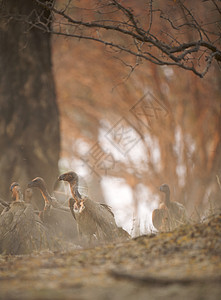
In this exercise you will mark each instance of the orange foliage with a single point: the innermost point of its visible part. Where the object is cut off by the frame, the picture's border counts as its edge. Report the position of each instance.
(93, 85)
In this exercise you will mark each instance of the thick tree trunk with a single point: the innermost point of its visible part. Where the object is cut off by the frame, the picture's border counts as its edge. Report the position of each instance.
(29, 119)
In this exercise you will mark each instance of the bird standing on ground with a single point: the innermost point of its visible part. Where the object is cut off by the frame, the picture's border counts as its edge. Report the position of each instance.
(50, 201)
(95, 220)
(38, 182)
(21, 230)
(55, 215)
(170, 214)
(16, 195)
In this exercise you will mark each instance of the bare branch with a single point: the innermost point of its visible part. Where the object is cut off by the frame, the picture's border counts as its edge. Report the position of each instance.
(161, 47)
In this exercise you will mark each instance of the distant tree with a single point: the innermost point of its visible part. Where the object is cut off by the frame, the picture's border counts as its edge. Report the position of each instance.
(29, 119)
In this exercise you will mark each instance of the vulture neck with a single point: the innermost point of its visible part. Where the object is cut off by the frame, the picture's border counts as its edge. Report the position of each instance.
(167, 198)
(45, 194)
(74, 191)
(19, 196)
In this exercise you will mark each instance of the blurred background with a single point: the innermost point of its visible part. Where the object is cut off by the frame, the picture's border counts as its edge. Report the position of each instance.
(175, 144)
(124, 124)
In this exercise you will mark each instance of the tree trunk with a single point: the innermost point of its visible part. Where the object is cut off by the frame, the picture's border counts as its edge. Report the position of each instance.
(29, 118)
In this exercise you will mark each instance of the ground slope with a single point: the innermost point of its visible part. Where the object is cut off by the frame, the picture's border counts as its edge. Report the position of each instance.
(183, 264)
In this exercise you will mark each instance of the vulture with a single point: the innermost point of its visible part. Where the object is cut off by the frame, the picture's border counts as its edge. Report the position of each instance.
(21, 230)
(95, 221)
(170, 214)
(16, 195)
(55, 215)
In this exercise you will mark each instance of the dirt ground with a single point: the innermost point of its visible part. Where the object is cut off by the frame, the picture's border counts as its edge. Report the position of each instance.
(183, 264)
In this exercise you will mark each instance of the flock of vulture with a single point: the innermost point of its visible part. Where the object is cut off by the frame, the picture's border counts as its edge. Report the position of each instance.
(24, 228)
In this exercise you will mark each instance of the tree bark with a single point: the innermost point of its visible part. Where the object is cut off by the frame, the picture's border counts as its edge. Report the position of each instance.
(29, 118)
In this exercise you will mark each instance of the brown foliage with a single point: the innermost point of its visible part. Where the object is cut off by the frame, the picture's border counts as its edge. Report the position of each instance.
(93, 86)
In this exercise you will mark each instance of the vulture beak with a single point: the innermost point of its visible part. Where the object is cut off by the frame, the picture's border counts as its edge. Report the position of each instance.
(61, 177)
(30, 184)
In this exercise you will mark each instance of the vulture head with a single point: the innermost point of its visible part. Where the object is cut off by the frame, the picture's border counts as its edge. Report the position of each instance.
(16, 192)
(70, 177)
(37, 182)
(13, 185)
(164, 188)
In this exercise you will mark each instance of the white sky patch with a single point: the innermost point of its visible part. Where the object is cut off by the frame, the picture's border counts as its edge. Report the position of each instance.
(191, 143)
(168, 71)
(156, 153)
(181, 172)
(119, 196)
(137, 153)
(153, 145)
(147, 202)
(81, 146)
(177, 147)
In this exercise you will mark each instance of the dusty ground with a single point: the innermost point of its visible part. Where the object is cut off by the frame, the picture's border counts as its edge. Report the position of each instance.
(184, 264)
